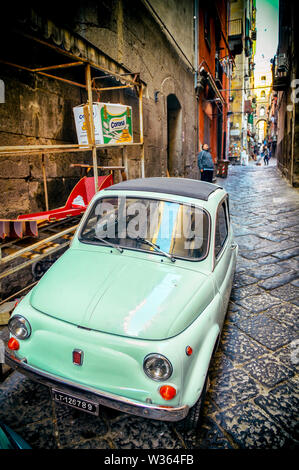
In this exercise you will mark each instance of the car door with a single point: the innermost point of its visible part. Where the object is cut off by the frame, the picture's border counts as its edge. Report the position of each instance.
(224, 255)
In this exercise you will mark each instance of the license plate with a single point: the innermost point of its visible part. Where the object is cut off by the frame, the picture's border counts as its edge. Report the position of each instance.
(75, 402)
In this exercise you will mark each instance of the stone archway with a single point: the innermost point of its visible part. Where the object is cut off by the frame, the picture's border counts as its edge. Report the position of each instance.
(174, 134)
(261, 131)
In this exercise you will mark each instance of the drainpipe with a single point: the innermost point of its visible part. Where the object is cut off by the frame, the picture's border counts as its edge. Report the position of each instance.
(196, 69)
(229, 86)
(293, 138)
(195, 41)
(293, 95)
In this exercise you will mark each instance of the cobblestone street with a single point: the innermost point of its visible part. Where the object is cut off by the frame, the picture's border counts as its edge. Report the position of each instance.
(252, 402)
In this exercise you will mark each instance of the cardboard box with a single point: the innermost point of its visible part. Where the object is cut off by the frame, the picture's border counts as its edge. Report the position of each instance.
(81, 125)
(113, 123)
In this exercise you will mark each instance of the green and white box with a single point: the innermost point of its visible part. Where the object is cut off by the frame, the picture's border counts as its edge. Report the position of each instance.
(113, 123)
(116, 121)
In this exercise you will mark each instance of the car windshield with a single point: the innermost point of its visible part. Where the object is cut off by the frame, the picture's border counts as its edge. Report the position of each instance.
(172, 229)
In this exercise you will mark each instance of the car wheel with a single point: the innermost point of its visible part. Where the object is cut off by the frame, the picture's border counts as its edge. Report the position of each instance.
(193, 419)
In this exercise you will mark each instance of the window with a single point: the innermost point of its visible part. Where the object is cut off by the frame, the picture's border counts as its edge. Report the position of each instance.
(262, 111)
(148, 225)
(207, 129)
(263, 94)
(221, 229)
(228, 211)
(207, 32)
(263, 78)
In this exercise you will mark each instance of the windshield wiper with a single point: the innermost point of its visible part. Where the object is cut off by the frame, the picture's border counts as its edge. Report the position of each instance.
(109, 243)
(156, 247)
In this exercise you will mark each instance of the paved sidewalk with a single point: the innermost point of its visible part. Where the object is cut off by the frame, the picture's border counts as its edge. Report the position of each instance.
(253, 399)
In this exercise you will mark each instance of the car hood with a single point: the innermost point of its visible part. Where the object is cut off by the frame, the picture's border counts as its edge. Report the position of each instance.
(120, 294)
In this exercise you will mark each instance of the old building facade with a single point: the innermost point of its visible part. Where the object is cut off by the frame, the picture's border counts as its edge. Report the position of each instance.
(242, 38)
(214, 68)
(263, 83)
(285, 85)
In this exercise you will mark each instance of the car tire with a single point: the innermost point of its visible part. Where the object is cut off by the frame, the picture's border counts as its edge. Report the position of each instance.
(193, 419)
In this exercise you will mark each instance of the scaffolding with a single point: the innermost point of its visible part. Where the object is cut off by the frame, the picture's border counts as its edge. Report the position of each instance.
(48, 245)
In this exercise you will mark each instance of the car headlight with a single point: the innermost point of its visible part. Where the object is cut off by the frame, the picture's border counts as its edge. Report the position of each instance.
(19, 327)
(157, 367)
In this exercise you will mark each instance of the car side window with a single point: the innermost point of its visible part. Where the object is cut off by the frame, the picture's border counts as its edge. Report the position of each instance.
(227, 206)
(221, 228)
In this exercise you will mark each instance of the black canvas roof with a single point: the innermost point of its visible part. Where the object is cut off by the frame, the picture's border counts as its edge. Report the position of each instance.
(178, 186)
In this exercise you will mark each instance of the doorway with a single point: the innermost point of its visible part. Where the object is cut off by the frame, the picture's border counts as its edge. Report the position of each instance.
(219, 132)
(174, 135)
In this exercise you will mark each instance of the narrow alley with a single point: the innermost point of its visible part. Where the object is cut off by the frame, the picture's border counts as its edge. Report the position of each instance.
(133, 290)
(252, 402)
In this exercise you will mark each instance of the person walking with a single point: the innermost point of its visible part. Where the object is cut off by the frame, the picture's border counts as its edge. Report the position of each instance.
(261, 155)
(266, 156)
(205, 164)
(255, 152)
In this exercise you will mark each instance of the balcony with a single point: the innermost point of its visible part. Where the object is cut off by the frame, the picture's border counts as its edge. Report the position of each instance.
(253, 35)
(280, 67)
(235, 36)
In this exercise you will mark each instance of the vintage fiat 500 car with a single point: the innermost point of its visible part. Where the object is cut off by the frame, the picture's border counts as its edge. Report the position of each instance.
(130, 315)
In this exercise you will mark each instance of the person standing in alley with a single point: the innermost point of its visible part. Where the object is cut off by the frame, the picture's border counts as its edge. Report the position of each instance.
(205, 164)
(255, 152)
(266, 156)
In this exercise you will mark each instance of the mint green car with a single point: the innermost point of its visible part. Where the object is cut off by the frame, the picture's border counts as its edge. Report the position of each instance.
(131, 314)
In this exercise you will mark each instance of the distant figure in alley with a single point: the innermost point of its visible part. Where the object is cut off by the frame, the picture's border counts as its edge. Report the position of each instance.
(205, 164)
(266, 156)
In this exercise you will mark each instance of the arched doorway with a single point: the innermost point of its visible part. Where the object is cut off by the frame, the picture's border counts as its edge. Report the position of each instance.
(261, 129)
(174, 135)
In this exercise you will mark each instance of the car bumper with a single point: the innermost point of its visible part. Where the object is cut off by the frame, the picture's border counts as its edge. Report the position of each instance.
(117, 402)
